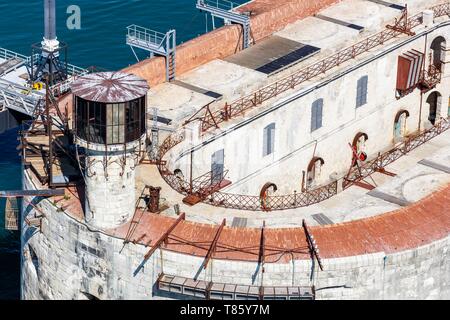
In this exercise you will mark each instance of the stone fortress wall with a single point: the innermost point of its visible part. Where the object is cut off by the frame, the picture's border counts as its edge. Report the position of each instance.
(295, 145)
(71, 261)
(68, 259)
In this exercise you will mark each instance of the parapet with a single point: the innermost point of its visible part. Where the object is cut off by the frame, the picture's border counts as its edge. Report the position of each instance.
(267, 17)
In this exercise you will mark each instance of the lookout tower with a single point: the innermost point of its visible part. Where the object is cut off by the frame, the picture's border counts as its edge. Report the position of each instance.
(110, 127)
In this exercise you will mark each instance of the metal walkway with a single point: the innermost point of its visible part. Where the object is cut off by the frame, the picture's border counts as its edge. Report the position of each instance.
(163, 44)
(226, 10)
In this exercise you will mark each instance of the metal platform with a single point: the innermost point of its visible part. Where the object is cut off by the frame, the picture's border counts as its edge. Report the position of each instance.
(273, 55)
(163, 44)
(222, 291)
(226, 10)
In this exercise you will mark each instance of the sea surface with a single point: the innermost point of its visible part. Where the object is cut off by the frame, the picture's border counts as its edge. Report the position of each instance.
(100, 42)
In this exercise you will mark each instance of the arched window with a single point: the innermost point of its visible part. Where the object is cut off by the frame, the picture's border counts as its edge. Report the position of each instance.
(316, 114)
(434, 101)
(314, 171)
(400, 128)
(361, 91)
(438, 51)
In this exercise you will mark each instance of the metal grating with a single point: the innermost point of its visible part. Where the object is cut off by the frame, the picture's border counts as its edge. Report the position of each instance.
(340, 22)
(191, 87)
(435, 165)
(322, 219)
(287, 60)
(388, 4)
(389, 198)
(239, 222)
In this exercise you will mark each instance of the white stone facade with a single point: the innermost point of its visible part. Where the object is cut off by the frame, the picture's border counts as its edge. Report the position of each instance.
(295, 145)
(110, 190)
(69, 259)
(72, 261)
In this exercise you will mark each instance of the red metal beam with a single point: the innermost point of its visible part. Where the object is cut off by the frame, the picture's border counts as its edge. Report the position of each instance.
(312, 246)
(262, 245)
(384, 171)
(213, 246)
(164, 237)
(363, 185)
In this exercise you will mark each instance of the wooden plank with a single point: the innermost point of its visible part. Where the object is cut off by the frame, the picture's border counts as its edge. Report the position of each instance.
(32, 193)
(213, 246)
(11, 214)
(164, 237)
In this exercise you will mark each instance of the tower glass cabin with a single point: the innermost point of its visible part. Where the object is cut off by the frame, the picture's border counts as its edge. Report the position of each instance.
(110, 126)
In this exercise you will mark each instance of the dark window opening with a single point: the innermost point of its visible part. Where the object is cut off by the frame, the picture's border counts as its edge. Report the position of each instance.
(115, 123)
(438, 52)
(269, 139)
(316, 114)
(434, 101)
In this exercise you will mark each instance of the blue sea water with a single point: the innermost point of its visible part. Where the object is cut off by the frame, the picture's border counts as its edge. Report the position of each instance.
(100, 42)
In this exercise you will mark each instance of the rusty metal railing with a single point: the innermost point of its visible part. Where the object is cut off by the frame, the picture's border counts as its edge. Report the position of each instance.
(212, 118)
(296, 199)
(237, 201)
(382, 160)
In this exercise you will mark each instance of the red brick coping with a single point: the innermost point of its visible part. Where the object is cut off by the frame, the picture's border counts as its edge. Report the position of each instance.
(421, 223)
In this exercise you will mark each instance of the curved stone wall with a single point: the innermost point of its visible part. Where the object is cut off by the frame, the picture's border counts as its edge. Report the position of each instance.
(403, 254)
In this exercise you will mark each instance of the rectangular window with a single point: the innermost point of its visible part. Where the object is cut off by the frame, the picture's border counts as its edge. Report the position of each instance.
(361, 91)
(316, 114)
(269, 139)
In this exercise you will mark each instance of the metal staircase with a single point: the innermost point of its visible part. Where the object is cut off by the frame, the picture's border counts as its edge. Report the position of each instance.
(226, 10)
(157, 43)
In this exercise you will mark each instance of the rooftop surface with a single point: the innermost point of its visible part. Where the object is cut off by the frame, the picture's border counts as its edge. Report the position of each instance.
(232, 77)
(110, 87)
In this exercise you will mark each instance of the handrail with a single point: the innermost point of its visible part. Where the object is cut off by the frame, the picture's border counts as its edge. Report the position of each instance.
(8, 54)
(220, 4)
(294, 200)
(147, 35)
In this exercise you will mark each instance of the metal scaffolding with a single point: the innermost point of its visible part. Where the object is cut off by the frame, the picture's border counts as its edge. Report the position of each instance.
(157, 43)
(226, 10)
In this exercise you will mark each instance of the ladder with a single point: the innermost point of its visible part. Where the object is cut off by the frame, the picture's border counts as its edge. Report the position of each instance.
(11, 214)
(155, 135)
(226, 10)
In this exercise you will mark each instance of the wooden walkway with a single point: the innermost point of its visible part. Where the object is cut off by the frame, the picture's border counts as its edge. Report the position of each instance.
(12, 214)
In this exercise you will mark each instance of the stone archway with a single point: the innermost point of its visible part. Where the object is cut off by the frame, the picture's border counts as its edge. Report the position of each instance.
(437, 49)
(400, 124)
(314, 171)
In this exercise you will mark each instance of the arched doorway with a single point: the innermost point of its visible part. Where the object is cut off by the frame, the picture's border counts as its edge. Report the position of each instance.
(438, 52)
(400, 124)
(434, 101)
(267, 191)
(359, 147)
(314, 171)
